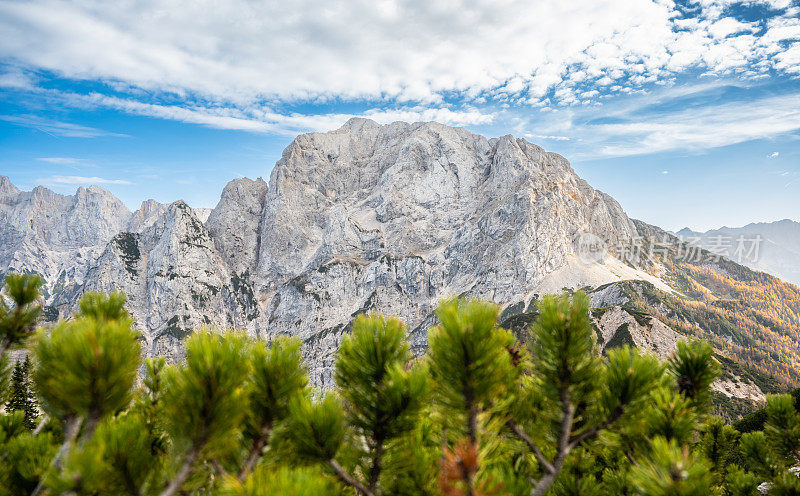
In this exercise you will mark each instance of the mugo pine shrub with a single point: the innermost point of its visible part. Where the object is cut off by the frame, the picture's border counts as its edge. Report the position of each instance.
(479, 414)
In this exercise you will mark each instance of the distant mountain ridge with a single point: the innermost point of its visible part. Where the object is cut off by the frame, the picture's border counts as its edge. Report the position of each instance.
(394, 218)
(778, 250)
(60, 237)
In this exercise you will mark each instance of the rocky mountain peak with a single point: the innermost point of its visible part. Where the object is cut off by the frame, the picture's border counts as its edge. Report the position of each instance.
(241, 189)
(235, 223)
(410, 188)
(94, 190)
(357, 125)
(40, 193)
(180, 216)
(7, 188)
(147, 214)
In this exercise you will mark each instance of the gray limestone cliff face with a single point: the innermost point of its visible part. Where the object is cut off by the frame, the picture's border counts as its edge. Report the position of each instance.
(149, 212)
(56, 236)
(174, 278)
(426, 189)
(235, 223)
(394, 218)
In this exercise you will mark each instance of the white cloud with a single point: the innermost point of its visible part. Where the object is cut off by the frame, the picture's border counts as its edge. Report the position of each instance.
(662, 121)
(262, 119)
(699, 128)
(715, 8)
(69, 162)
(789, 59)
(547, 137)
(57, 128)
(728, 26)
(240, 65)
(309, 50)
(773, 155)
(442, 115)
(16, 79)
(63, 160)
(80, 180)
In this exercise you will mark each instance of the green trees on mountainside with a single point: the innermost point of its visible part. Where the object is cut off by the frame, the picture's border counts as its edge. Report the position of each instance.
(479, 414)
(21, 396)
(749, 316)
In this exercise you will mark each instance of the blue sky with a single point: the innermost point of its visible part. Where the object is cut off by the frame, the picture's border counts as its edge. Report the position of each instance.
(687, 112)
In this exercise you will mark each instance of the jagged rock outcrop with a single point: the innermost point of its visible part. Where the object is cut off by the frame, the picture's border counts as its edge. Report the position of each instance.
(618, 326)
(7, 189)
(174, 278)
(235, 223)
(56, 236)
(148, 213)
(635, 312)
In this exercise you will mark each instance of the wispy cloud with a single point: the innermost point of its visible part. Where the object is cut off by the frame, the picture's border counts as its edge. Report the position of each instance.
(701, 128)
(16, 79)
(689, 117)
(547, 137)
(52, 180)
(773, 155)
(57, 128)
(262, 119)
(68, 161)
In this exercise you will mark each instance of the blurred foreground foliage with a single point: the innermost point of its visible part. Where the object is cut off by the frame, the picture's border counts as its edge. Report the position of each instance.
(479, 414)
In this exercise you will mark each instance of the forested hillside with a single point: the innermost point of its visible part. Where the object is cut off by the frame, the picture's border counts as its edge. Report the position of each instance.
(749, 316)
(752, 319)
